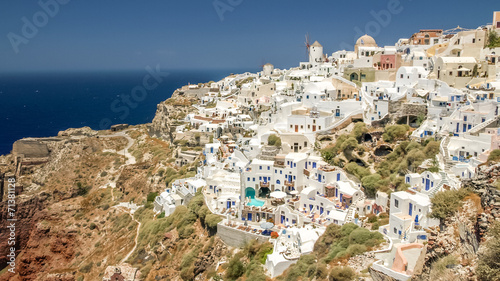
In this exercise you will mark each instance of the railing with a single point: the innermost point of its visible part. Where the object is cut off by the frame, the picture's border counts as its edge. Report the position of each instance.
(264, 184)
(290, 183)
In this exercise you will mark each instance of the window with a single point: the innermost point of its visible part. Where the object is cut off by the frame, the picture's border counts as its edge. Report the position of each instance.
(268, 168)
(260, 167)
(395, 231)
(248, 179)
(396, 203)
(253, 179)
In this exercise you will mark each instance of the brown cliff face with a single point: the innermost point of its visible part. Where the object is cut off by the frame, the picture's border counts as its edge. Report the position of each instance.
(67, 227)
(29, 213)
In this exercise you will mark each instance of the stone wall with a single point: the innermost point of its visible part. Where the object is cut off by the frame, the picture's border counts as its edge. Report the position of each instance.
(413, 109)
(237, 238)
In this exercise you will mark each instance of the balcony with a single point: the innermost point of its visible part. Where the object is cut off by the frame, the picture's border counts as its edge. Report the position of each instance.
(307, 172)
(264, 184)
(290, 183)
(327, 168)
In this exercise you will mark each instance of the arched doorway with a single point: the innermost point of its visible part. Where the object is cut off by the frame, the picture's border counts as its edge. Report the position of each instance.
(354, 76)
(250, 192)
(264, 191)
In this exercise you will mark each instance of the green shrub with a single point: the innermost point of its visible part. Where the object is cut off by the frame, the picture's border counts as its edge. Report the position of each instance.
(255, 272)
(235, 268)
(355, 169)
(440, 267)
(349, 145)
(274, 140)
(187, 273)
(356, 249)
(395, 132)
(359, 130)
(488, 266)
(186, 232)
(152, 196)
(342, 274)
(371, 184)
(360, 236)
(493, 40)
(299, 269)
(494, 156)
(188, 260)
(446, 203)
(212, 220)
(86, 268)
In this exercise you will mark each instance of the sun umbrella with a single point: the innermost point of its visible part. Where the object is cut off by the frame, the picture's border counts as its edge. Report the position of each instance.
(267, 225)
(278, 194)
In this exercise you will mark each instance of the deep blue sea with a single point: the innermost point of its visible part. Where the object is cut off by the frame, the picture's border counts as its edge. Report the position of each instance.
(42, 104)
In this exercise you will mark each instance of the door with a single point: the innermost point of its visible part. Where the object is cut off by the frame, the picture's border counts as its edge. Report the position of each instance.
(410, 209)
(228, 205)
(321, 210)
(296, 128)
(427, 184)
(282, 219)
(249, 216)
(314, 128)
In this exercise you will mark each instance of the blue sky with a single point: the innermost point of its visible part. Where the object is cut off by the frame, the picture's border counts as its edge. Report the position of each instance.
(191, 34)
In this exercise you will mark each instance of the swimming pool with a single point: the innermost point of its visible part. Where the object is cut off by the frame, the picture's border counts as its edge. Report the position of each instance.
(256, 202)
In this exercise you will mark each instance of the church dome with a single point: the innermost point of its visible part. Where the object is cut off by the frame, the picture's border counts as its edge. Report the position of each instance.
(366, 41)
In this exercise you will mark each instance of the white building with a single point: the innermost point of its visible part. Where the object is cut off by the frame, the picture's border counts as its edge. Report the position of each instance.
(409, 214)
(167, 202)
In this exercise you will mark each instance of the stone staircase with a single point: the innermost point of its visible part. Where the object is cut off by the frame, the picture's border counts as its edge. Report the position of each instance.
(448, 163)
(444, 180)
(352, 209)
(476, 129)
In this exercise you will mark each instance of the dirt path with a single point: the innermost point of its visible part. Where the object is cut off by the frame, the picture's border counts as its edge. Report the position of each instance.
(135, 239)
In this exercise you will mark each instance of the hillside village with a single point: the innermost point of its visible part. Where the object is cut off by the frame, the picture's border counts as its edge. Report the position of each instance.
(377, 163)
(268, 166)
